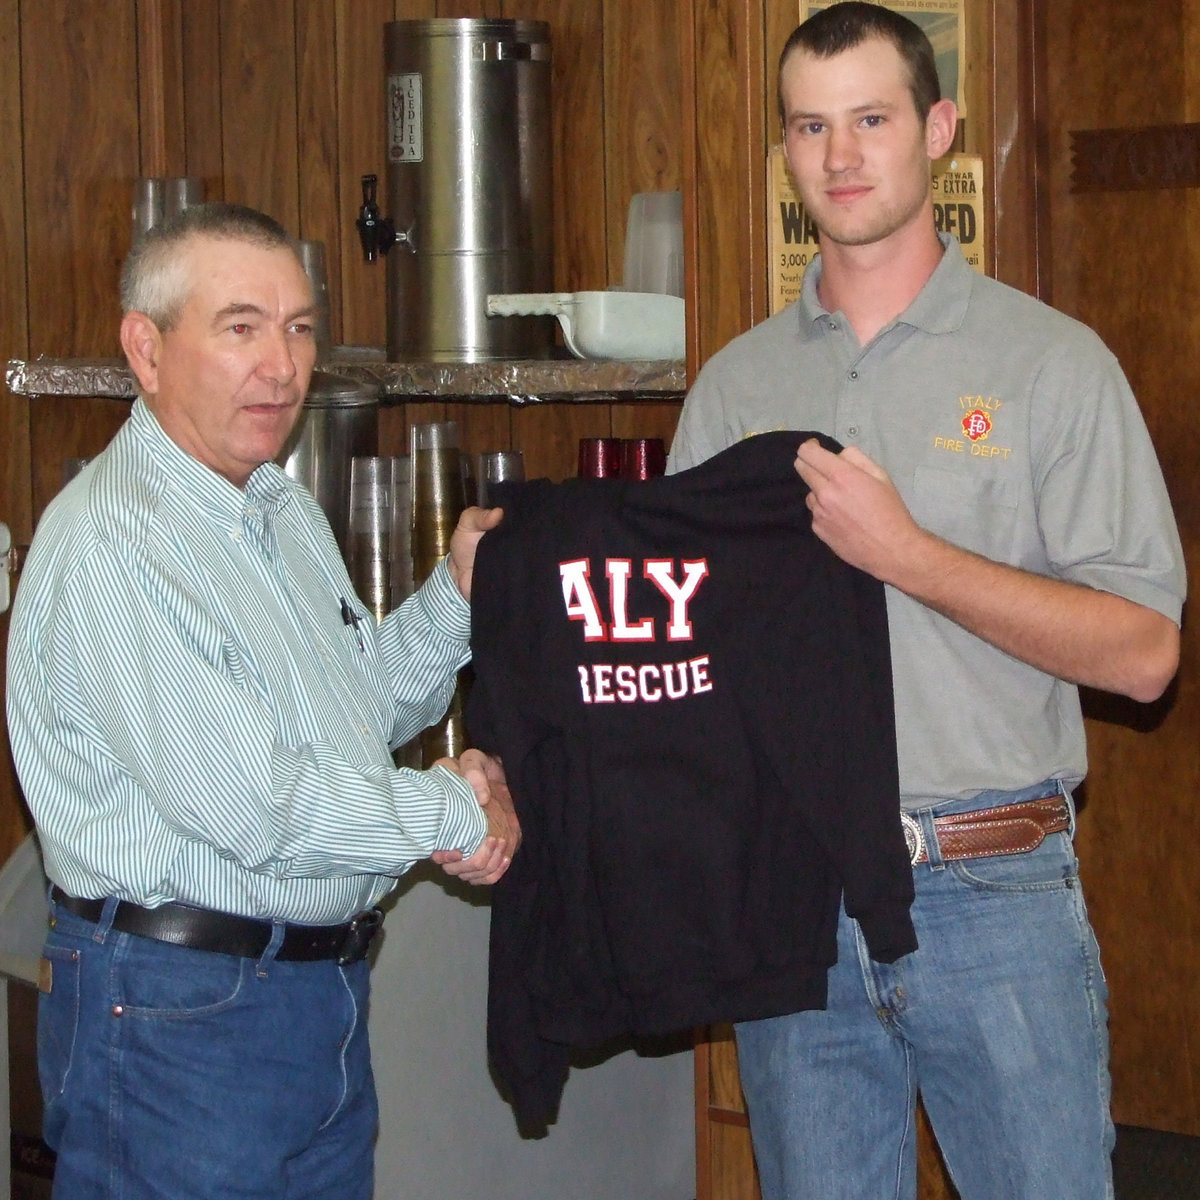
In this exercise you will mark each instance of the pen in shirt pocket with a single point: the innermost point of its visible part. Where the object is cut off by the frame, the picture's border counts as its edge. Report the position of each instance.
(350, 617)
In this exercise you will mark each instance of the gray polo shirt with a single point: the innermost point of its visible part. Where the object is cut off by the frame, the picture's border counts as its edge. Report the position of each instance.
(1009, 429)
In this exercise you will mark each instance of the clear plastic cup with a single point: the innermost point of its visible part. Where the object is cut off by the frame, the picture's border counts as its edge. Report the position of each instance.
(312, 256)
(496, 466)
(180, 192)
(438, 492)
(372, 517)
(654, 243)
(157, 199)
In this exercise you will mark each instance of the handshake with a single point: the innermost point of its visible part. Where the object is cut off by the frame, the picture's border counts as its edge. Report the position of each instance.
(489, 862)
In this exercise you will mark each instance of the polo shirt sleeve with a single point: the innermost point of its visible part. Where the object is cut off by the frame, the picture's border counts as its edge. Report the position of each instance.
(1102, 504)
(701, 433)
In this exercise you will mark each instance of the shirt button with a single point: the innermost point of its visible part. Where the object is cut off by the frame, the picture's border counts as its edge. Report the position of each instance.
(853, 431)
(853, 374)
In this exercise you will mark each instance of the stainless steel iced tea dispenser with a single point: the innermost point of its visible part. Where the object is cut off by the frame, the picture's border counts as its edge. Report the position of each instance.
(468, 187)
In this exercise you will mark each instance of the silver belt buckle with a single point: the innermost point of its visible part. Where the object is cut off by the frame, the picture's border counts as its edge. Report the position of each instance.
(914, 839)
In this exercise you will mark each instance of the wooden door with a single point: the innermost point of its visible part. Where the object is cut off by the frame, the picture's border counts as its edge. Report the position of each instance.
(1119, 248)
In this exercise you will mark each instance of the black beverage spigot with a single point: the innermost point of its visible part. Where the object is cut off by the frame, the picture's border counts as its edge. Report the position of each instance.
(378, 234)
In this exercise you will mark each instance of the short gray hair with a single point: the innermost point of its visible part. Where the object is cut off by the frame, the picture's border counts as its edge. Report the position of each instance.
(155, 279)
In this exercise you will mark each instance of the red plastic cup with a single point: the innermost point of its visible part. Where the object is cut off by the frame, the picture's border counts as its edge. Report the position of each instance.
(643, 458)
(599, 458)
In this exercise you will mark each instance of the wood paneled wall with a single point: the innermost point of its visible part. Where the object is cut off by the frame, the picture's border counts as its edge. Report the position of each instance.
(1128, 264)
(16, 500)
(279, 104)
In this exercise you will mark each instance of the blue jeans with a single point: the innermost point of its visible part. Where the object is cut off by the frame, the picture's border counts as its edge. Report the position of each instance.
(176, 1073)
(998, 1020)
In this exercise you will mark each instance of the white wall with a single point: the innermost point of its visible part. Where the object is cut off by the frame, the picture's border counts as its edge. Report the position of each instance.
(625, 1127)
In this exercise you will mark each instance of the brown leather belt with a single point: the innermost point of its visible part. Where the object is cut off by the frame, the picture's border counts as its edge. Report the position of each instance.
(990, 832)
(226, 933)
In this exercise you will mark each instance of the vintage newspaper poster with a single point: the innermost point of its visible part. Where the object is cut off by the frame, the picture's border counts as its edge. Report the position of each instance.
(791, 236)
(958, 204)
(792, 240)
(944, 24)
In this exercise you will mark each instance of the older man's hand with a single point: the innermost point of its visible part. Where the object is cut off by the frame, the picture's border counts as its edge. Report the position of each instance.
(472, 525)
(489, 862)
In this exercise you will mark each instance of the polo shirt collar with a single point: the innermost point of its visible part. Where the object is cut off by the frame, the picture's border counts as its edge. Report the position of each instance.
(940, 306)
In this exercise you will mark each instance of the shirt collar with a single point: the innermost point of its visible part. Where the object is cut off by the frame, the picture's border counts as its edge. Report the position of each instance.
(267, 489)
(939, 307)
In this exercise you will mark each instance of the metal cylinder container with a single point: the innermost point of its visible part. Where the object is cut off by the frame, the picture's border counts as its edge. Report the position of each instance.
(339, 421)
(469, 186)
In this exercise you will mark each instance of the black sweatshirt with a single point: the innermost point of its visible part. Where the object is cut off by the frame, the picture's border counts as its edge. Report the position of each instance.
(692, 697)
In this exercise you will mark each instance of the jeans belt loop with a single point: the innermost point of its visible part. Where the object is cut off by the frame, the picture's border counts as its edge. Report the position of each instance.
(1066, 795)
(104, 924)
(263, 965)
(933, 848)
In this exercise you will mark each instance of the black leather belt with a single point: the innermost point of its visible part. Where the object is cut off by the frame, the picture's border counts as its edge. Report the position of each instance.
(225, 933)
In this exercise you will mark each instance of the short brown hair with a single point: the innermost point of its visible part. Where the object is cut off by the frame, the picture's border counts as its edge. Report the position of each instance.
(844, 25)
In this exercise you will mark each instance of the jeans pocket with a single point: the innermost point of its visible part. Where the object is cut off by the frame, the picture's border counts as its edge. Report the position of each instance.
(159, 981)
(58, 1018)
(1052, 865)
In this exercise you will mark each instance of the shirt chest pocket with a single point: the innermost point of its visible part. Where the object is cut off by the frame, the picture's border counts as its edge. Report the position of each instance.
(975, 509)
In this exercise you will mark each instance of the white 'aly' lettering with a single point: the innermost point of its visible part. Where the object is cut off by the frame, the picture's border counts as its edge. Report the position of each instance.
(581, 604)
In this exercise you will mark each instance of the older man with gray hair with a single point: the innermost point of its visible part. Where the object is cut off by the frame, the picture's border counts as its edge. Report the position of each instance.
(203, 719)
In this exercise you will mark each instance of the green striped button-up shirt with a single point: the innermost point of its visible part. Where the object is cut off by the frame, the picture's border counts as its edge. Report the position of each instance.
(191, 717)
